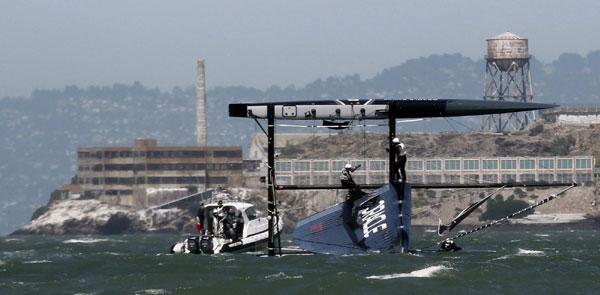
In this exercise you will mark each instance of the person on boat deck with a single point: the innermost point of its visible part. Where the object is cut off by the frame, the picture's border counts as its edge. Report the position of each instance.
(399, 150)
(200, 218)
(230, 224)
(219, 215)
(346, 178)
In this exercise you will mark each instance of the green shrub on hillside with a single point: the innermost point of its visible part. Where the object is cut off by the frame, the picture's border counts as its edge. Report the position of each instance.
(498, 208)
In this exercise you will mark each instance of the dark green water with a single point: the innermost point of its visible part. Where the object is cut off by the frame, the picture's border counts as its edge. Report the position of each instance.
(550, 262)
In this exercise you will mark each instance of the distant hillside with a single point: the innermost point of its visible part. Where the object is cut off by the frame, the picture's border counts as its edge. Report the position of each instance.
(41, 133)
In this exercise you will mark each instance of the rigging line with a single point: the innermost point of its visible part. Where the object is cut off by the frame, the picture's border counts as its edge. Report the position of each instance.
(506, 218)
(329, 244)
(259, 125)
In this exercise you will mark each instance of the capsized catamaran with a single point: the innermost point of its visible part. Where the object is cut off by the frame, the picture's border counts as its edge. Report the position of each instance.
(377, 221)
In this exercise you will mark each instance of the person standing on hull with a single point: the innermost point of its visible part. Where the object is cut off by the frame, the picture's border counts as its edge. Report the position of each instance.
(400, 159)
(353, 191)
(346, 178)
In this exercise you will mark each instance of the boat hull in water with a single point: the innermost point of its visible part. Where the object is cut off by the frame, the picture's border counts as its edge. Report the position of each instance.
(376, 222)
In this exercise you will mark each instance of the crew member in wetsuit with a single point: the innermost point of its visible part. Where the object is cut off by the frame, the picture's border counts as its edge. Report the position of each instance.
(399, 150)
(230, 224)
(448, 245)
(353, 191)
(346, 178)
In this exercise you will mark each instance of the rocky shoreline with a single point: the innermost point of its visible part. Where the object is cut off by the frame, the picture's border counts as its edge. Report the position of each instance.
(74, 217)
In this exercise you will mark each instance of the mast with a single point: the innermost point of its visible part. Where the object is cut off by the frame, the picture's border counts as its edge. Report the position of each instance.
(391, 156)
(271, 177)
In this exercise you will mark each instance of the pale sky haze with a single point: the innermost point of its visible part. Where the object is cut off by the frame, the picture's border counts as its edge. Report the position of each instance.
(52, 44)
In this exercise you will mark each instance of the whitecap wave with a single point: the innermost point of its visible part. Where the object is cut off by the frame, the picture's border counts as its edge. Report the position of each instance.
(88, 241)
(37, 261)
(421, 273)
(529, 252)
(13, 240)
(152, 291)
(282, 275)
(542, 235)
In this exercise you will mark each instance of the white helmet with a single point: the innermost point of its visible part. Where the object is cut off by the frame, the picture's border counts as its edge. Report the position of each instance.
(348, 166)
(396, 140)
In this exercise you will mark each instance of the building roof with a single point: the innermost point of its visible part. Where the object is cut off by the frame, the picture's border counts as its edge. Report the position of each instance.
(74, 188)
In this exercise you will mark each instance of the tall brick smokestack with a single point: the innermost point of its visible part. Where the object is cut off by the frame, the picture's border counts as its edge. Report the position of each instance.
(201, 107)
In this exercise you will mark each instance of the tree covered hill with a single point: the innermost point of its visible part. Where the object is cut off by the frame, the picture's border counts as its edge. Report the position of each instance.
(40, 134)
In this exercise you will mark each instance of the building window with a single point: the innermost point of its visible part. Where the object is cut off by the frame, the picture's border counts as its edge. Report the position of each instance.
(583, 163)
(471, 178)
(471, 164)
(320, 166)
(546, 178)
(283, 180)
(509, 177)
(564, 177)
(339, 165)
(564, 163)
(584, 177)
(376, 178)
(528, 177)
(433, 178)
(452, 164)
(451, 178)
(508, 164)
(414, 178)
(302, 179)
(490, 178)
(433, 165)
(320, 179)
(414, 165)
(361, 179)
(527, 164)
(377, 165)
(490, 164)
(302, 166)
(363, 165)
(546, 164)
(283, 166)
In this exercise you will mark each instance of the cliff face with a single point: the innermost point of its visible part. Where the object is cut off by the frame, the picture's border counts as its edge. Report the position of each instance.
(95, 217)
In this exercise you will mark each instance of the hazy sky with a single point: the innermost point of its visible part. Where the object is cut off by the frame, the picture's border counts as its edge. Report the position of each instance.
(51, 44)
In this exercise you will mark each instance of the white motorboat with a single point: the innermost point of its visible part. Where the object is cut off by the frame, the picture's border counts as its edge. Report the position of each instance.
(251, 231)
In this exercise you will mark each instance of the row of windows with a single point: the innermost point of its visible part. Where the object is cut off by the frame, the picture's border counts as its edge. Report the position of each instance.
(161, 167)
(448, 178)
(130, 181)
(436, 165)
(304, 166)
(159, 154)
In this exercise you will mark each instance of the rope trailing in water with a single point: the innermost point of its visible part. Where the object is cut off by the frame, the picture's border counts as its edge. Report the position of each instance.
(506, 218)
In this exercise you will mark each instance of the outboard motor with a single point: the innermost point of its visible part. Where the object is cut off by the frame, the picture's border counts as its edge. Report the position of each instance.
(193, 245)
(206, 244)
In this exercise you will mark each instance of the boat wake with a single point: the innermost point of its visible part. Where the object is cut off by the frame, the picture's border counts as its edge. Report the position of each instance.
(421, 273)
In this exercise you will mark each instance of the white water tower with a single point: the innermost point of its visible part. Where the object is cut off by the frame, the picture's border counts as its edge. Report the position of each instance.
(507, 77)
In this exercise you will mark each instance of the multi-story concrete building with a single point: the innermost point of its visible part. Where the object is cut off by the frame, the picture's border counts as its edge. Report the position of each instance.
(127, 175)
(441, 170)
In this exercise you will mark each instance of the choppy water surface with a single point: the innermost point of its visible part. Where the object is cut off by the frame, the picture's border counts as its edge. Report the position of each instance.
(549, 262)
